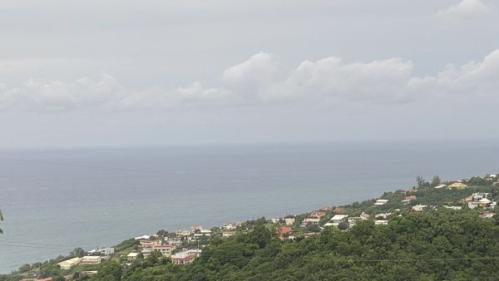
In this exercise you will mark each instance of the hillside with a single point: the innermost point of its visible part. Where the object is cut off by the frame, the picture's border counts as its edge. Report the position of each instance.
(434, 231)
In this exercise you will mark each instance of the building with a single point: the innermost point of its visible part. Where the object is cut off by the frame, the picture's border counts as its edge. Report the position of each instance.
(311, 220)
(165, 250)
(102, 251)
(455, 208)
(418, 208)
(380, 202)
(289, 221)
(230, 226)
(382, 216)
(364, 216)
(337, 219)
(90, 260)
(185, 257)
(284, 232)
(132, 256)
(458, 185)
(228, 233)
(440, 186)
(487, 215)
(381, 222)
(409, 198)
(68, 264)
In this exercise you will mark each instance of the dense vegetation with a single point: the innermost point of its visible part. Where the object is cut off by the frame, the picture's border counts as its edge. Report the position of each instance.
(436, 245)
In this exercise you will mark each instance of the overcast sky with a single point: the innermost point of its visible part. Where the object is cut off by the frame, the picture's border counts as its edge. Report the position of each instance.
(139, 73)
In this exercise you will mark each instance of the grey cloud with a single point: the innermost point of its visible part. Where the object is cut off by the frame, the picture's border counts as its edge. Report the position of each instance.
(465, 9)
(260, 80)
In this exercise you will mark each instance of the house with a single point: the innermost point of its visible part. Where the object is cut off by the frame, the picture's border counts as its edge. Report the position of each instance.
(102, 251)
(484, 202)
(228, 233)
(202, 233)
(311, 220)
(284, 232)
(409, 198)
(183, 233)
(149, 243)
(456, 208)
(419, 207)
(166, 249)
(230, 226)
(289, 221)
(132, 256)
(364, 216)
(382, 216)
(479, 199)
(458, 185)
(380, 202)
(68, 264)
(185, 257)
(440, 186)
(146, 251)
(381, 222)
(487, 215)
(90, 260)
(337, 219)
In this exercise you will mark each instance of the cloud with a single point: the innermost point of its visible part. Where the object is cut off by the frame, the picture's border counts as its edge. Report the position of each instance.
(55, 95)
(475, 79)
(466, 9)
(332, 78)
(260, 81)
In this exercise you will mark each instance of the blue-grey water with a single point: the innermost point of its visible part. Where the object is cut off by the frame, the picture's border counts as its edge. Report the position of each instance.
(56, 200)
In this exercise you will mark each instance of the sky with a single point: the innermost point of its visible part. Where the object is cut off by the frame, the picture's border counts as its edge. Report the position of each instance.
(147, 73)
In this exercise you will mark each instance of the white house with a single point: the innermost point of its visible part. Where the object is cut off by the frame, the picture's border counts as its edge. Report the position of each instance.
(289, 221)
(337, 219)
(419, 207)
(381, 222)
(132, 256)
(380, 202)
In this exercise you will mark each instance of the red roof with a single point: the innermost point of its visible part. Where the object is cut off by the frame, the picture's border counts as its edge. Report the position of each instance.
(284, 230)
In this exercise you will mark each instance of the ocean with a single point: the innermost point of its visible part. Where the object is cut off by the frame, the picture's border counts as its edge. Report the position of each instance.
(56, 200)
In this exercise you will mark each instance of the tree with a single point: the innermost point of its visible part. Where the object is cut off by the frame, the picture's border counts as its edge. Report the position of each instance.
(435, 181)
(78, 252)
(260, 235)
(421, 182)
(343, 225)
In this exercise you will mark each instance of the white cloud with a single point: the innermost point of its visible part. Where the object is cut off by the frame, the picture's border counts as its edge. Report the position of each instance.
(475, 79)
(383, 80)
(465, 9)
(259, 80)
(55, 95)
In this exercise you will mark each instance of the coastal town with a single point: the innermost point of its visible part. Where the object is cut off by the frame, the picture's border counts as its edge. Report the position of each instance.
(477, 194)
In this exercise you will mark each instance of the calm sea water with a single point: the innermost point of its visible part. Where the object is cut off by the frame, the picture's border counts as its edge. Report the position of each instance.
(54, 201)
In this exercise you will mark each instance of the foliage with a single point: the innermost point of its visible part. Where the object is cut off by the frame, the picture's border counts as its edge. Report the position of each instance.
(437, 245)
